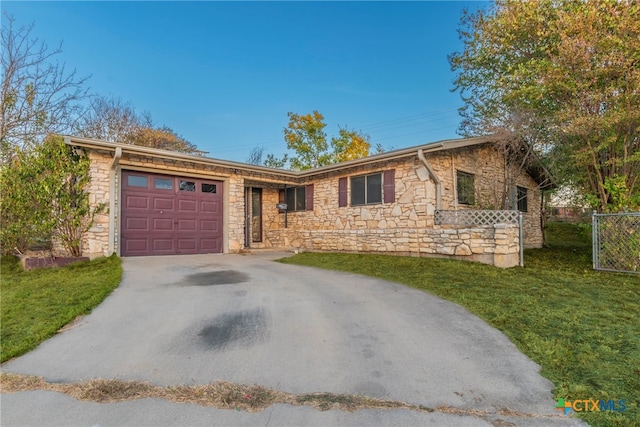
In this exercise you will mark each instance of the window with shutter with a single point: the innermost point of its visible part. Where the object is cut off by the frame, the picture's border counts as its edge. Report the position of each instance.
(366, 189)
(296, 198)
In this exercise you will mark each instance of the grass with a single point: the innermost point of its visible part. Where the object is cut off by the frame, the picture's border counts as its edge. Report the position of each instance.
(36, 304)
(581, 326)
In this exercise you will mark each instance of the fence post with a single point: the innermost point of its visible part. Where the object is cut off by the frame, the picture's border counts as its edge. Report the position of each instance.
(521, 238)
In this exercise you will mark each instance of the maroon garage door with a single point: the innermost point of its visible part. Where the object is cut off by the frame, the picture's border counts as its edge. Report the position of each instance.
(165, 215)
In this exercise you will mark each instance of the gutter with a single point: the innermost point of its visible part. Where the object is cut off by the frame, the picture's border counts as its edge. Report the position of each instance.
(434, 177)
(155, 152)
(116, 158)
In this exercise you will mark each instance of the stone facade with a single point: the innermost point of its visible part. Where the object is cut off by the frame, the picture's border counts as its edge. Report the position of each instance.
(404, 226)
(96, 241)
(104, 188)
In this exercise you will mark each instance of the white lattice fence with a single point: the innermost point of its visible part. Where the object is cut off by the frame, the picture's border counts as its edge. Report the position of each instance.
(474, 217)
(480, 218)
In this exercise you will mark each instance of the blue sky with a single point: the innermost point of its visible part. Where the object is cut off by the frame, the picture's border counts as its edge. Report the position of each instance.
(225, 74)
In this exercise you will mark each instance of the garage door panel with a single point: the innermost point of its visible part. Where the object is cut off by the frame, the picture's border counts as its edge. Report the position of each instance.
(187, 206)
(209, 225)
(212, 206)
(210, 245)
(136, 245)
(163, 245)
(172, 215)
(136, 202)
(163, 203)
(187, 244)
(187, 224)
(163, 224)
(137, 223)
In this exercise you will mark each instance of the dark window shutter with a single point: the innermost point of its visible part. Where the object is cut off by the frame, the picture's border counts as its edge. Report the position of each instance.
(309, 197)
(281, 199)
(342, 192)
(389, 186)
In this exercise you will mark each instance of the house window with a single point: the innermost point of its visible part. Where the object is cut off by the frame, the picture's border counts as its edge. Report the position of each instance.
(465, 186)
(366, 189)
(521, 193)
(187, 186)
(137, 181)
(295, 199)
(163, 184)
(208, 188)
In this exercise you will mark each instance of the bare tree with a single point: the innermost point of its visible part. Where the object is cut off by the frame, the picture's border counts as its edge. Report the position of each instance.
(255, 156)
(39, 95)
(114, 120)
(109, 119)
(163, 138)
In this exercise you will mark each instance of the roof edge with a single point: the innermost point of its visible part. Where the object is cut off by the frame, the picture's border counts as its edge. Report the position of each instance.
(156, 152)
(441, 145)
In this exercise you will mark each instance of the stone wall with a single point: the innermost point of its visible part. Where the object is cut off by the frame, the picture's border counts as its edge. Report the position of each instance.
(96, 240)
(496, 245)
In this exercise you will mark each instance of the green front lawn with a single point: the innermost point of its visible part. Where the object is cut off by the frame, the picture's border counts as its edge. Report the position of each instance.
(581, 326)
(36, 304)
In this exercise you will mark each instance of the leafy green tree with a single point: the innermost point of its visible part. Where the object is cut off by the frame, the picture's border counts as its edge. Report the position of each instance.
(24, 215)
(563, 76)
(64, 183)
(349, 145)
(45, 196)
(275, 162)
(305, 135)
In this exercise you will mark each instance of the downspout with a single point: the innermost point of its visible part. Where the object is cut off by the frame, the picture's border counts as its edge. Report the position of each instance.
(454, 179)
(435, 178)
(113, 193)
(285, 211)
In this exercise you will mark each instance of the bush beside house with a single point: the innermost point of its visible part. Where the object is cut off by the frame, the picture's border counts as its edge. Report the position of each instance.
(44, 200)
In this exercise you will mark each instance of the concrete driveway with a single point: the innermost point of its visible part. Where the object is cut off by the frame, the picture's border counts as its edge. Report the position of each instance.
(185, 320)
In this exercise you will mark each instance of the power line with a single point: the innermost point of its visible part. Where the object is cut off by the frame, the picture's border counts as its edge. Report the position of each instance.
(410, 118)
(375, 128)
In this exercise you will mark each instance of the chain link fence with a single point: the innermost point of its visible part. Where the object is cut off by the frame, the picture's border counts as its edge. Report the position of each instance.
(616, 242)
